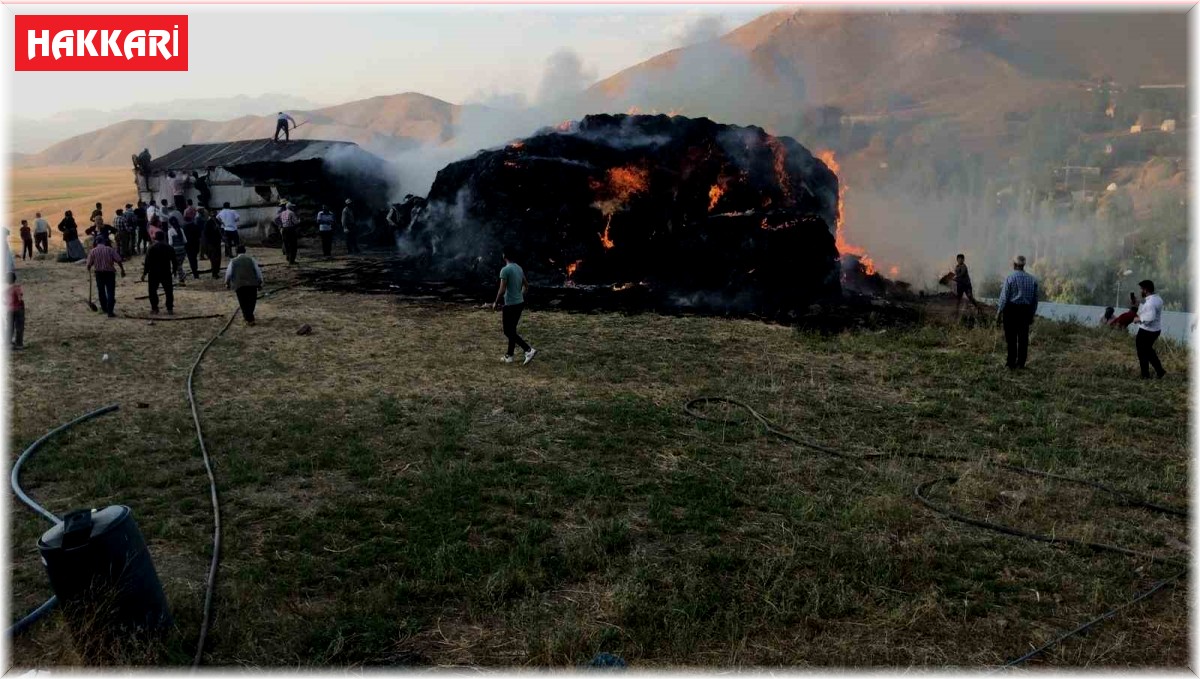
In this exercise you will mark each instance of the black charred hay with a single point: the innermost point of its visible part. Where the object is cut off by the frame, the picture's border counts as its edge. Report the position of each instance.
(396, 277)
(699, 215)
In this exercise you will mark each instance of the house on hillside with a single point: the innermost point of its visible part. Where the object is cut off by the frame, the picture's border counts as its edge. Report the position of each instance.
(253, 176)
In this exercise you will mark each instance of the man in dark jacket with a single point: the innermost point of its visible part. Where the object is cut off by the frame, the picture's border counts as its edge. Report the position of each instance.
(212, 242)
(193, 231)
(160, 264)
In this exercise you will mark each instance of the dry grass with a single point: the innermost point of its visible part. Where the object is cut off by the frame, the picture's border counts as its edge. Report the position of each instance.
(394, 495)
(51, 190)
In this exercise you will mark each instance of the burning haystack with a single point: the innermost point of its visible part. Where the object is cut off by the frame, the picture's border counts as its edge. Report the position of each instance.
(716, 215)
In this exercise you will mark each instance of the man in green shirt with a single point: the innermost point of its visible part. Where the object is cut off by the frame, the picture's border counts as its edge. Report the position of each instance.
(513, 286)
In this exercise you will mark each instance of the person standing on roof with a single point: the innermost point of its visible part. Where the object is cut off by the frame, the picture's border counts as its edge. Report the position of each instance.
(229, 224)
(281, 125)
(351, 229)
(325, 230)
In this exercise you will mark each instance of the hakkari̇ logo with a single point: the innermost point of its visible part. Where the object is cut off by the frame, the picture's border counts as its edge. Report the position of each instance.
(101, 43)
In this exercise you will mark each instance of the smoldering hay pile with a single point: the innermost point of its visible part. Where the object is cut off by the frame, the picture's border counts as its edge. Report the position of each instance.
(716, 216)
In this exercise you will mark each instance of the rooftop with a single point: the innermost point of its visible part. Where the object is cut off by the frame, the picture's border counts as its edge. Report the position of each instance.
(233, 153)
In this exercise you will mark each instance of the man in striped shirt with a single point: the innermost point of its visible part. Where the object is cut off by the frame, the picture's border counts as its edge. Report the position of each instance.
(1017, 305)
(104, 260)
(289, 227)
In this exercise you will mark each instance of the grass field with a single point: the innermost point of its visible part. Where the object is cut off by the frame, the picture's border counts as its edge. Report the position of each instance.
(51, 190)
(392, 494)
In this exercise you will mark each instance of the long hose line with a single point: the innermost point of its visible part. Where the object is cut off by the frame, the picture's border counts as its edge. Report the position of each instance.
(15, 480)
(212, 486)
(919, 493)
(210, 587)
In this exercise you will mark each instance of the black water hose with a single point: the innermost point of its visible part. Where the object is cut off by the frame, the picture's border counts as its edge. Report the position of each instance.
(15, 479)
(919, 493)
(210, 587)
(1095, 621)
(212, 485)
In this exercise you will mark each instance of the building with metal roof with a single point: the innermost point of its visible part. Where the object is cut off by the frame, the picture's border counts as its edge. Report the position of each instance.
(255, 175)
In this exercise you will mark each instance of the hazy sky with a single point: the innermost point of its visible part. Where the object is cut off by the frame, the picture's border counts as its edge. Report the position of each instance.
(330, 55)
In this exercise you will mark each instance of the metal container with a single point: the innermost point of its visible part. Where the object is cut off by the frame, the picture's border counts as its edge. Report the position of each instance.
(100, 569)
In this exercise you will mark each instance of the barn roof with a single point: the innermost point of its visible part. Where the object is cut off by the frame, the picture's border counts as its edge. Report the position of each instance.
(233, 153)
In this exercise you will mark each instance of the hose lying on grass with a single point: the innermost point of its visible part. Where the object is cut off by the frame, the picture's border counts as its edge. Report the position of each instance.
(15, 480)
(1125, 498)
(210, 587)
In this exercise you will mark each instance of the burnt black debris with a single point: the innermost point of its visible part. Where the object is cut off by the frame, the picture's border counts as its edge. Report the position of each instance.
(703, 214)
(395, 276)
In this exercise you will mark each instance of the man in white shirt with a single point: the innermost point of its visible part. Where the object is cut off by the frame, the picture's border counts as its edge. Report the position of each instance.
(41, 234)
(229, 226)
(1149, 328)
(281, 125)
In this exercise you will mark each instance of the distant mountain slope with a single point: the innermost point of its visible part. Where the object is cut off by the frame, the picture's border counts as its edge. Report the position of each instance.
(971, 68)
(34, 135)
(381, 124)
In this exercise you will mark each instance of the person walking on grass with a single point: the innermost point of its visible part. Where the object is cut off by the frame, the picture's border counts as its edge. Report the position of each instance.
(1149, 316)
(212, 243)
(325, 230)
(193, 231)
(41, 234)
(1016, 308)
(962, 284)
(245, 278)
(178, 242)
(159, 264)
(104, 260)
(229, 225)
(289, 228)
(14, 305)
(26, 240)
(350, 227)
(513, 286)
(141, 219)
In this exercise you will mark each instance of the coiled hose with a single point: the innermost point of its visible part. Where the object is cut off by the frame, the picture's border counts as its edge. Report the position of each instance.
(1125, 498)
(15, 480)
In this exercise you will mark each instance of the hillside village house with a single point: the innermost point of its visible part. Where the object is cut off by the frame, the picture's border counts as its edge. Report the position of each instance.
(253, 176)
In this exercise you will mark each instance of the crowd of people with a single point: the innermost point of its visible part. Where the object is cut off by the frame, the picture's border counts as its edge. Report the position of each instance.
(1018, 302)
(172, 237)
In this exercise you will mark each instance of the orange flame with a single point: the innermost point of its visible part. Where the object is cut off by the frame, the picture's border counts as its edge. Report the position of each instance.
(780, 154)
(714, 194)
(623, 182)
(563, 126)
(633, 111)
(516, 145)
(572, 267)
(843, 247)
